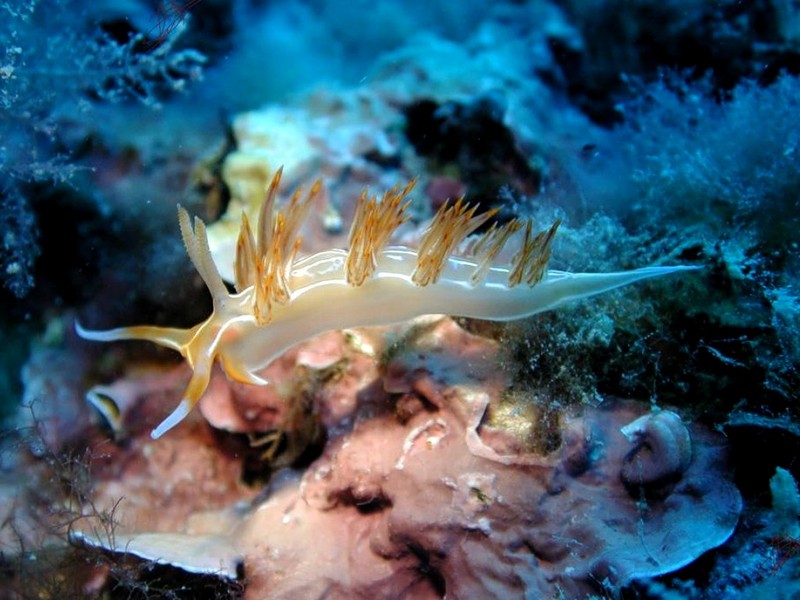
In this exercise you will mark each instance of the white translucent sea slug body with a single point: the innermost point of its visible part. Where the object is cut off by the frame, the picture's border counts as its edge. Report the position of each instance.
(281, 300)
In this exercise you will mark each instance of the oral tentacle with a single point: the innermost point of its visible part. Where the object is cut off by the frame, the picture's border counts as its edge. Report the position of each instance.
(169, 337)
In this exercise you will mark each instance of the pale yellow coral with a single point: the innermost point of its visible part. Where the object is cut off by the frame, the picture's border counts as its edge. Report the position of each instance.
(265, 141)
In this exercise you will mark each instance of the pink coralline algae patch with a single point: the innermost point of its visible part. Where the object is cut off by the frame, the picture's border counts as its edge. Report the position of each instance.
(158, 487)
(419, 502)
(442, 519)
(414, 496)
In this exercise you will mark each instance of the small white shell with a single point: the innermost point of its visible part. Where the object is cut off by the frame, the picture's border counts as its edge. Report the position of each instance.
(662, 449)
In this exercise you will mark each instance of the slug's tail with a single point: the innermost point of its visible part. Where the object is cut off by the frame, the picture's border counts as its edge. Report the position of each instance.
(560, 287)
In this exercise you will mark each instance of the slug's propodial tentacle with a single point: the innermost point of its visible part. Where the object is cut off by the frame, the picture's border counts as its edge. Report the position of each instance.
(191, 396)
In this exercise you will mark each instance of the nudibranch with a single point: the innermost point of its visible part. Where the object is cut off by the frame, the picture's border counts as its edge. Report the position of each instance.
(280, 299)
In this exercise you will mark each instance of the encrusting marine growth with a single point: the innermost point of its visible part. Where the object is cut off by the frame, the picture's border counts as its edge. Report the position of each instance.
(281, 300)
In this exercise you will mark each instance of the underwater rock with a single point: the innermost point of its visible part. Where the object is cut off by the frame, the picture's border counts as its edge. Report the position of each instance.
(53, 388)
(471, 140)
(414, 495)
(777, 439)
(339, 135)
(726, 42)
(785, 504)
(155, 487)
(419, 504)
